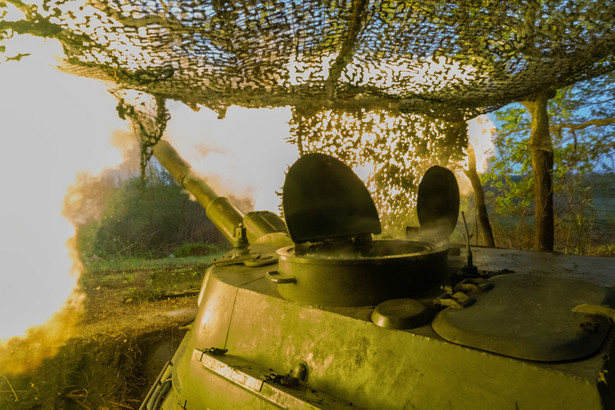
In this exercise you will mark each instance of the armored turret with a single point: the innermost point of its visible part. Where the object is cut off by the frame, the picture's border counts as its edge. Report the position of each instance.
(318, 311)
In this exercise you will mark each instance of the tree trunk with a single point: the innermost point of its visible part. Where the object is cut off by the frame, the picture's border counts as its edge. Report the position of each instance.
(541, 149)
(479, 198)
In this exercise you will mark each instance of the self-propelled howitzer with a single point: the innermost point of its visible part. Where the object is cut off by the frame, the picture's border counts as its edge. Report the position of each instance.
(322, 315)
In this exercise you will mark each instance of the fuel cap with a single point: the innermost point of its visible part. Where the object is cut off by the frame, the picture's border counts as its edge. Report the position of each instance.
(324, 199)
(437, 204)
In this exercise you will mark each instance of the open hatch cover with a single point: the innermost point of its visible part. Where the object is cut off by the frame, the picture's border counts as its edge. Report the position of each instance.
(324, 199)
(437, 205)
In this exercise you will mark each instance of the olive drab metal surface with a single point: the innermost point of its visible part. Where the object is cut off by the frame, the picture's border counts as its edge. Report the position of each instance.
(530, 317)
(327, 204)
(324, 199)
(350, 322)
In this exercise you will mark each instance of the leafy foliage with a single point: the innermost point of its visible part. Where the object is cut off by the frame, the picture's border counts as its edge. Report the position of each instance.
(582, 127)
(150, 221)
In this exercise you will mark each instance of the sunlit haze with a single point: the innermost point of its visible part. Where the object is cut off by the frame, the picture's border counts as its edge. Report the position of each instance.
(243, 155)
(52, 126)
(480, 136)
(55, 125)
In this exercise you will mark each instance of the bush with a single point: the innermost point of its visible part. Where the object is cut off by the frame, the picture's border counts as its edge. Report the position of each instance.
(195, 249)
(148, 222)
(86, 237)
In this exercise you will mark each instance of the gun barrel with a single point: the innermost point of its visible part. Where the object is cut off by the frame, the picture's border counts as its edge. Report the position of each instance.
(219, 210)
(224, 215)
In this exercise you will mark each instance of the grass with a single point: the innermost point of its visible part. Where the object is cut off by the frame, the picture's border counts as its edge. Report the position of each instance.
(141, 280)
(168, 282)
(122, 278)
(103, 364)
(604, 250)
(595, 235)
(140, 263)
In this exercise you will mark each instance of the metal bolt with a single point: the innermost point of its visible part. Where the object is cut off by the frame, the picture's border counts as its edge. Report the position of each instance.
(300, 371)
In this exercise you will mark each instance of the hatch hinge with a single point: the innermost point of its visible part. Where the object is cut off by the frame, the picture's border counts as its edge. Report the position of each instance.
(457, 296)
(288, 380)
(473, 284)
(292, 379)
(453, 299)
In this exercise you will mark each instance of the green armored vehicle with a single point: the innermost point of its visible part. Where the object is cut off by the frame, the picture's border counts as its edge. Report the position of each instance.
(314, 313)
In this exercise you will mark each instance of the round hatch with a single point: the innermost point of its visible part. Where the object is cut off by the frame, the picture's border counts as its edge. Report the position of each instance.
(530, 317)
(324, 199)
(437, 205)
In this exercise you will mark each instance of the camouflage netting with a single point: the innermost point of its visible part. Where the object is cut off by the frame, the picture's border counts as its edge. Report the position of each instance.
(342, 65)
(442, 58)
(391, 152)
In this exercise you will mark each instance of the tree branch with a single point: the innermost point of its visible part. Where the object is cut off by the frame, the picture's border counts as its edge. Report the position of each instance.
(602, 101)
(598, 122)
(556, 128)
(347, 50)
(516, 130)
(150, 19)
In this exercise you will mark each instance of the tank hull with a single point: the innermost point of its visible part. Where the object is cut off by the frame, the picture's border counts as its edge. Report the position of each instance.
(352, 363)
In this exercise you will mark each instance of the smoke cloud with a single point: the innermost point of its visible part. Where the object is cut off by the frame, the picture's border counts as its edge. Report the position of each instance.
(53, 125)
(56, 132)
(243, 155)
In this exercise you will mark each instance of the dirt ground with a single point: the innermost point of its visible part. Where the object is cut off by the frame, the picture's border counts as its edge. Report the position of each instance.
(107, 353)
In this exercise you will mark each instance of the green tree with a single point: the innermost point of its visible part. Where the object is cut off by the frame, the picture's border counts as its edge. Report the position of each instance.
(582, 126)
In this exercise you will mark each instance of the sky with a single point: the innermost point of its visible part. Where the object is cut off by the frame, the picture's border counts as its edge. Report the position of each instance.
(245, 152)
